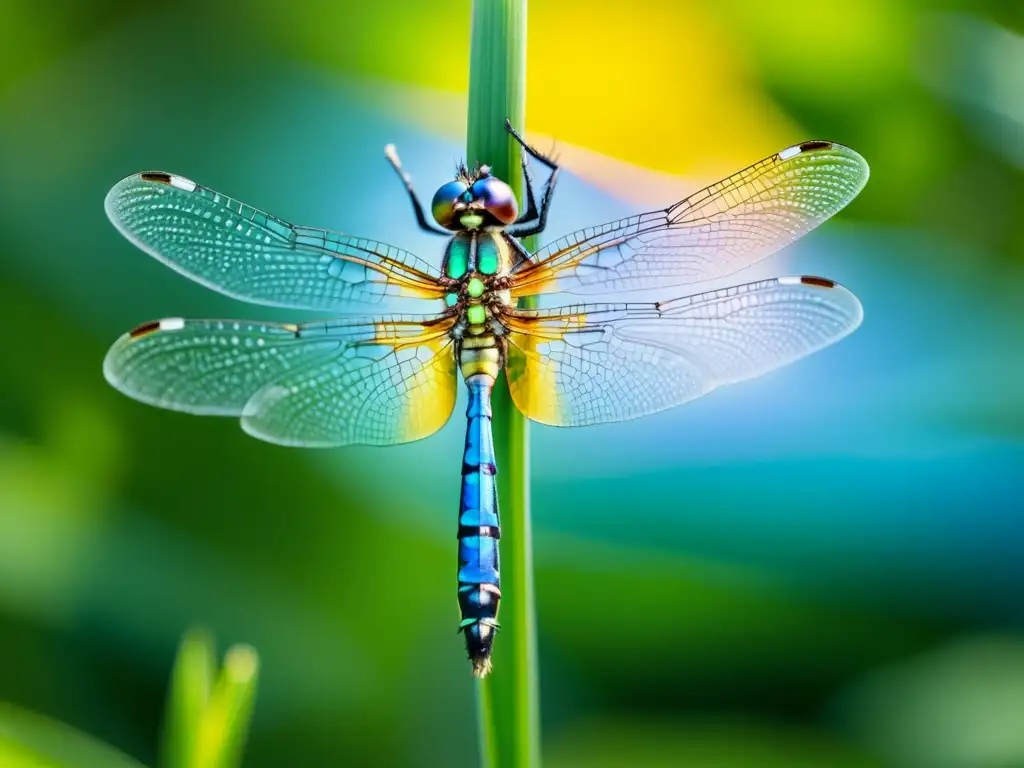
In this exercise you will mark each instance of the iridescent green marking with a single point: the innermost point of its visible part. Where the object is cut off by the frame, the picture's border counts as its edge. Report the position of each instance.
(476, 315)
(475, 287)
(451, 299)
(458, 258)
(488, 263)
(487, 256)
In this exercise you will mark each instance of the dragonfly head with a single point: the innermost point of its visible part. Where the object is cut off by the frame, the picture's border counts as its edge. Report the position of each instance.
(475, 199)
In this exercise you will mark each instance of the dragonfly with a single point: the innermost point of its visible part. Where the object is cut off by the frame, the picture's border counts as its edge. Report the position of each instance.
(384, 379)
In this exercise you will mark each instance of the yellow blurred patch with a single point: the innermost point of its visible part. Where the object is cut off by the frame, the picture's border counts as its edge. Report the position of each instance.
(658, 83)
(663, 84)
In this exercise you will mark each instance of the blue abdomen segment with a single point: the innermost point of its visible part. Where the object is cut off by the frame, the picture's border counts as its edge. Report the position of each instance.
(479, 531)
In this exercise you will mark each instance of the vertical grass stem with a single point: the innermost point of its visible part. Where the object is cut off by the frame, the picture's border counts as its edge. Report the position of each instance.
(509, 711)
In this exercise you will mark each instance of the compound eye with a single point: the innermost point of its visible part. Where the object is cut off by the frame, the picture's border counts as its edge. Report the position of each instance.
(443, 204)
(497, 198)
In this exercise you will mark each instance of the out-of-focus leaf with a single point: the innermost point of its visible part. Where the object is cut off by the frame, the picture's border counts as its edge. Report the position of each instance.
(53, 505)
(33, 34)
(189, 696)
(679, 629)
(207, 720)
(855, 55)
(707, 743)
(979, 66)
(28, 740)
(957, 707)
(225, 724)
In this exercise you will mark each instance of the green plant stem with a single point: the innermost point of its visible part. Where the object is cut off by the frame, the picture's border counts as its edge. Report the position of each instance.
(509, 710)
(486, 738)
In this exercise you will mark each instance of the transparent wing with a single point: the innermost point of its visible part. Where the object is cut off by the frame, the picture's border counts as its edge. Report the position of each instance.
(595, 363)
(715, 232)
(376, 381)
(248, 254)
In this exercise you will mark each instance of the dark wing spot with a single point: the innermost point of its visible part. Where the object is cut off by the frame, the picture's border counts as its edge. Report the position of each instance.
(810, 146)
(821, 282)
(157, 176)
(145, 329)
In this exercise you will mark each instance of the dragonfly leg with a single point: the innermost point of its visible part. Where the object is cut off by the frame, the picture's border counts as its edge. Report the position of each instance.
(392, 155)
(519, 230)
(551, 164)
(533, 222)
(531, 202)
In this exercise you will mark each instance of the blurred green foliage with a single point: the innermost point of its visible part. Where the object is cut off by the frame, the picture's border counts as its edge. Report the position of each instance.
(28, 740)
(208, 713)
(797, 572)
(205, 726)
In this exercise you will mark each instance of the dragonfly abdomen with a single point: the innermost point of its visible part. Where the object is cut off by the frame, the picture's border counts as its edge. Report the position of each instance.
(479, 531)
(480, 356)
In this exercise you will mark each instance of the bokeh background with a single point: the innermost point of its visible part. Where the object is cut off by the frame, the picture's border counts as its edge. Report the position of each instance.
(819, 568)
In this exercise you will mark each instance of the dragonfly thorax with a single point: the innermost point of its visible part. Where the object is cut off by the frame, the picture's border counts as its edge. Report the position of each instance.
(476, 267)
(476, 264)
(485, 252)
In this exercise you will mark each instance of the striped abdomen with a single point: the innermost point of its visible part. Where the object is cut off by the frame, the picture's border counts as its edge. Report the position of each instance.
(479, 580)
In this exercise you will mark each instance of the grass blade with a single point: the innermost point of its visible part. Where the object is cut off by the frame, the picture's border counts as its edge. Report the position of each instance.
(509, 709)
(28, 740)
(225, 724)
(208, 711)
(191, 681)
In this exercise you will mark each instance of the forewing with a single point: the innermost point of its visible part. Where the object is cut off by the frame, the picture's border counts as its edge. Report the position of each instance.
(596, 363)
(720, 230)
(377, 381)
(251, 255)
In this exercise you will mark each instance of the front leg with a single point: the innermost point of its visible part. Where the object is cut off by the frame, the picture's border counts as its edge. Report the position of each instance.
(523, 229)
(551, 164)
(532, 222)
(531, 202)
(392, 155)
